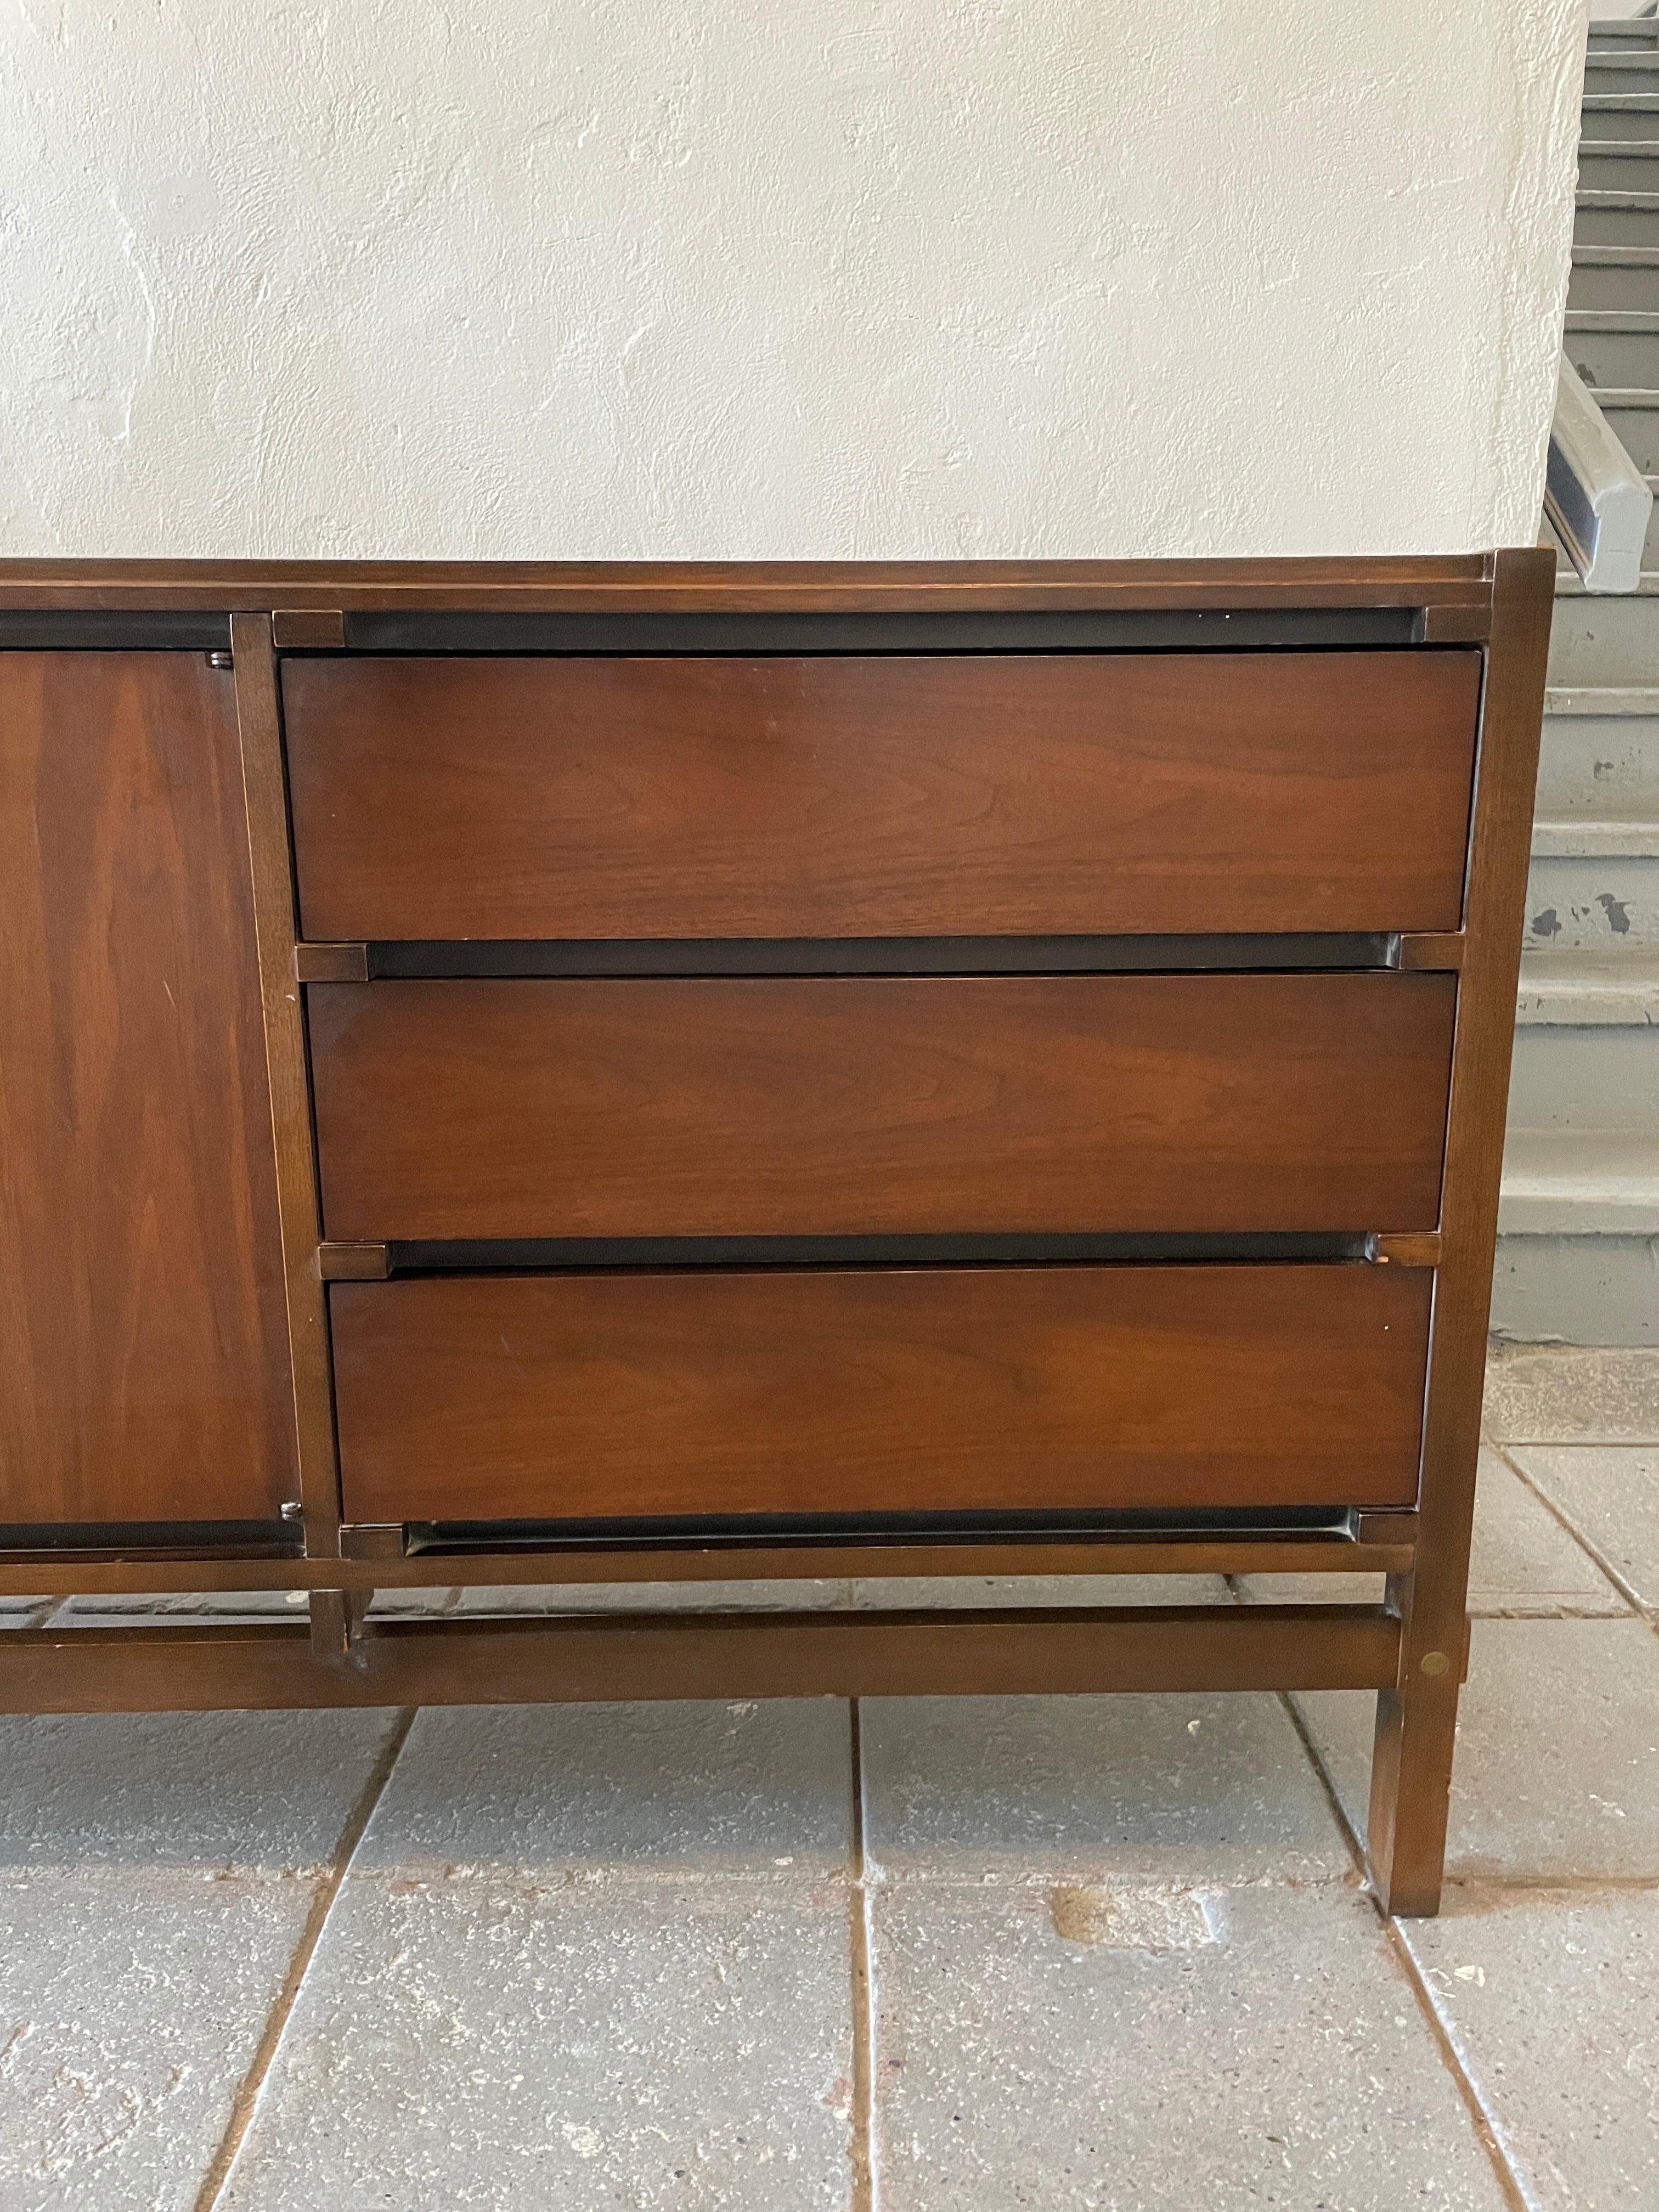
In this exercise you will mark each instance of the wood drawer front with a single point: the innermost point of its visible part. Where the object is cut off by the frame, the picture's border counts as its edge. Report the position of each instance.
(977, 795)
(890, 1391)
(881, 1105)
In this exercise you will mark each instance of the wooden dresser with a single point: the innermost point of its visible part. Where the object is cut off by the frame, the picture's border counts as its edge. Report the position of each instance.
(657, 1074)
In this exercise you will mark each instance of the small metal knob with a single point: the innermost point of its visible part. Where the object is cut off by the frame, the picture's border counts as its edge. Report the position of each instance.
(292, 1511)
(219, 660)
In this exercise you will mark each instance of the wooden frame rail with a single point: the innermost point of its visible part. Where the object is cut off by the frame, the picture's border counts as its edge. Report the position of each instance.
(802, 1655)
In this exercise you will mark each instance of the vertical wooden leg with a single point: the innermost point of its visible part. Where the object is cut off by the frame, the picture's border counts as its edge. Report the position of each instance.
(1411, 1783)
(1416, 1737)
(336, 1620)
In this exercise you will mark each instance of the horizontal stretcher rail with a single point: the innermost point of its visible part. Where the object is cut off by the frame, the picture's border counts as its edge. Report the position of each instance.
(581, 1659)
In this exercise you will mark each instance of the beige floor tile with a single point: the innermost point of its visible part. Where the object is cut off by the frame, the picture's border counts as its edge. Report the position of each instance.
(1610, 1494)
(1035, 1790)
(514, 2046)
(131, 2003)
(1524, 1561)
(760, 1789)
(156, 1875)
(1551, 2003)
(218, 1792)
(1124, 2050)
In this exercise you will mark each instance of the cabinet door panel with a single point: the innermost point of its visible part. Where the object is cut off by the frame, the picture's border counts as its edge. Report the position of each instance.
(142, 1342)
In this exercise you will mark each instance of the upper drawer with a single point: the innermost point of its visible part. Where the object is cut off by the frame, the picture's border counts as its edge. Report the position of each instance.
(838, 1106)
(974, 795)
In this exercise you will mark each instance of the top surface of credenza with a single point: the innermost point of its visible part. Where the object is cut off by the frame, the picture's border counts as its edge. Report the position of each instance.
(1459, 580)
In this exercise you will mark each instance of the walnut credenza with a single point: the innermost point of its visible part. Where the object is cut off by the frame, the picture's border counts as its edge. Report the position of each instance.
(652, 1073)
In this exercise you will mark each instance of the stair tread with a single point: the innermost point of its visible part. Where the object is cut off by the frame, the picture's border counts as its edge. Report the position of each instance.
(1601, 699)
(1584, 990)
(1615, 257)
(1643, 321)
(1596, 198)
(1568, 836)
(1560, 1184)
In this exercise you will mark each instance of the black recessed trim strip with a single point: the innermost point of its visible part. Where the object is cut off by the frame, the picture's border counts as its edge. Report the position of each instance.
(412, 959)
(1180, 629)
(546, 1254)
(277, 1537)
(112, 630)
(461, 1536)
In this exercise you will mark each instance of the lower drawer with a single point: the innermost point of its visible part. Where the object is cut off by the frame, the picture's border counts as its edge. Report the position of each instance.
(942, 1390)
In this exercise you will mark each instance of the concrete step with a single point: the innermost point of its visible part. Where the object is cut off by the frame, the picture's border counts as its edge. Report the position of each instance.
(1631, 72)
(1577, 1239)
(1589, 990)
(1636, 189)
(1587, 1049)
(1596, 1287)
(1619, 288)
(1616, 219)
(1602, 902)
(1618, 165)
(1565, 1187)
(1600, 757)
(1620, 115)
(1579, 1218)
(1612, 347)
(1611, 638)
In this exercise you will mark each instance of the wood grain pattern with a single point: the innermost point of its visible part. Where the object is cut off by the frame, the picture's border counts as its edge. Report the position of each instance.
(1426, 581)
(978, 795)
(1417, 1721)
(826, 1654)
(143, 1352)
(842, 1105)
(897, 1390)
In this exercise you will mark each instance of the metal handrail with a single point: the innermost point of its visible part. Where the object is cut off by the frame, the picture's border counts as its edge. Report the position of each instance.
(1597, 500)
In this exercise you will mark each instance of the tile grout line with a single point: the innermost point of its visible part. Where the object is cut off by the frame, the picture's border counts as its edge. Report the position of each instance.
(1590, 1551)
(1485, 2133)
(862, 2149)
(328, 1889)
(1485, 2126)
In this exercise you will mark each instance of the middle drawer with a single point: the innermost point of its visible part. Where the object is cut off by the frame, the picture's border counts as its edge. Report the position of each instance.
(846, 1106)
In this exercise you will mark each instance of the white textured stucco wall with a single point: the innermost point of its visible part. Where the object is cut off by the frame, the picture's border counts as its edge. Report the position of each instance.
(811, 278)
